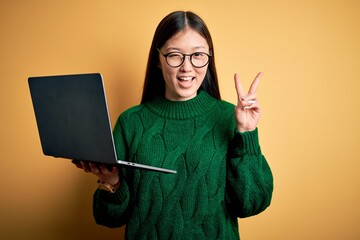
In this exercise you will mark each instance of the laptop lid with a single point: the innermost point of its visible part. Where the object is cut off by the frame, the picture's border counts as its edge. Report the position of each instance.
(73, 119)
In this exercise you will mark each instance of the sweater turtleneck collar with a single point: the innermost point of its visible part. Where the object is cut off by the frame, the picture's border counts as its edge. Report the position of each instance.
(202, 103)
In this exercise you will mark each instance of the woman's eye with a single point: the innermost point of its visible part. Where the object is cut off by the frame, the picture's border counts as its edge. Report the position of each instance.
(199, 55)
(175, 55)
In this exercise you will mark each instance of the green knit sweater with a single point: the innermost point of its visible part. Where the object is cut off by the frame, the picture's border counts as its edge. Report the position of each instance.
(221, 173)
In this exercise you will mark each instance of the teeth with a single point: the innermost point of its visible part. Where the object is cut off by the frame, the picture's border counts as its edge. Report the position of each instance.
(185, 78)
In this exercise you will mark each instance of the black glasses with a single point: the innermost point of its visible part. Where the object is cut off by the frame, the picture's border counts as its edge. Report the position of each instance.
(176, 59)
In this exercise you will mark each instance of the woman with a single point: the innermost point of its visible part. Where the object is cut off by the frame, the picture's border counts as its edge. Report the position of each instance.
(182, 124)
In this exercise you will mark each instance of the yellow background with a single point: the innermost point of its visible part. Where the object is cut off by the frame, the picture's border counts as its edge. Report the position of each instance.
(309, 131)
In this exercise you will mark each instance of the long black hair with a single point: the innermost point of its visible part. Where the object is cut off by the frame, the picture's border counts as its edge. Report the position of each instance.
(154, 84)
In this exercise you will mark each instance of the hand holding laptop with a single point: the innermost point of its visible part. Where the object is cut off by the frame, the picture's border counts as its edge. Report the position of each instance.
(107, 175)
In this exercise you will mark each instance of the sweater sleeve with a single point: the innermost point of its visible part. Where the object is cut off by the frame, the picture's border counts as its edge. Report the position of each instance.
(249, 177)
(111, 209)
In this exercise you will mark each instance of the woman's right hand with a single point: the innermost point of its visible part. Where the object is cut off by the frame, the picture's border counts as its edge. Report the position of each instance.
(105, 174)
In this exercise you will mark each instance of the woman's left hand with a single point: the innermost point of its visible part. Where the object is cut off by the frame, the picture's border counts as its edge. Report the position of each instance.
(247, 110)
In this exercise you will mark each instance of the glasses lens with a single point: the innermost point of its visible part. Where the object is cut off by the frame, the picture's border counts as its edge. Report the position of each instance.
(199, 59)
(174, 59)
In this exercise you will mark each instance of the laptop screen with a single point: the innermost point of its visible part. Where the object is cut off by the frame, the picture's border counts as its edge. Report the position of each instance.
(72, 117)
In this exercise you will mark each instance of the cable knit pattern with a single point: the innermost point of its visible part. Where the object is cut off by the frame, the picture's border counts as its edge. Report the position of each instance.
(221, 173)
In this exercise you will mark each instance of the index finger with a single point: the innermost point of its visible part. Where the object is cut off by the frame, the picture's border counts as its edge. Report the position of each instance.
(255, 83)
(239, 88)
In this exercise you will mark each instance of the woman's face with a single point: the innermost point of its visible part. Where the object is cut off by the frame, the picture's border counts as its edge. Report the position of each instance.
(183, 82)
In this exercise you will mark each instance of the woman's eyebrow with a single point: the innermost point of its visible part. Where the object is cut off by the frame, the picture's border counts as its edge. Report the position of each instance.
(180, 50)
(199, 47)
(173, 49)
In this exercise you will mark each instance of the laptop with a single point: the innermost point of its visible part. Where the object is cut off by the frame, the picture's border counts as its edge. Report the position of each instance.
(73, 120)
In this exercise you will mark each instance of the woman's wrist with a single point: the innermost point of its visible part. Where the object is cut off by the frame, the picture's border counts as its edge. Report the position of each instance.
(107, 186)
(242, 130)
(112, 180)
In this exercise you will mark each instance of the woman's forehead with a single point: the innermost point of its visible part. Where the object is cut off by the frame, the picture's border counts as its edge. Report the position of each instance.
(187, 39)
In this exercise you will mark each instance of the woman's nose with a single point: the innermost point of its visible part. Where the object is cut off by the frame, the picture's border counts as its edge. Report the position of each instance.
(187, 65)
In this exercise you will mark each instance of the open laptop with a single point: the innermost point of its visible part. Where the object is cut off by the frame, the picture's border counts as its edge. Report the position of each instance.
(73, 119)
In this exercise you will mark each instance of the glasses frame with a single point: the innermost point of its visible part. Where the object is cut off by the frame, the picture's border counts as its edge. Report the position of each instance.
(183, 59)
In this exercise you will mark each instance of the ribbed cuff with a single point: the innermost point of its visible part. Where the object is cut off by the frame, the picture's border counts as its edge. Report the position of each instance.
(246, 142)
(119, 196)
